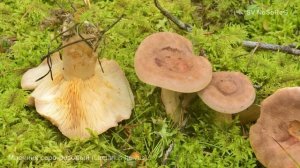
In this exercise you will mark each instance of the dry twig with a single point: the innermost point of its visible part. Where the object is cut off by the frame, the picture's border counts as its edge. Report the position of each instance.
(179, 23)
(273, 47)
(169, 150)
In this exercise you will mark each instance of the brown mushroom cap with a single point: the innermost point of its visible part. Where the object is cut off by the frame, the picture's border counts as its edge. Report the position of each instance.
(166, 60)
(228, 92)
(275, 136)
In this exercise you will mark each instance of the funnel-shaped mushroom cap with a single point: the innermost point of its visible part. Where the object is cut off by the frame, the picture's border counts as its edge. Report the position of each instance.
(75, 101)
(29, 82)
(166, 60)
(97, 103)
(275, 137)
(228, 92)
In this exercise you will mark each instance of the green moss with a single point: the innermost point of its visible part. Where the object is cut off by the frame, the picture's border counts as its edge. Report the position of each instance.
(28, 140)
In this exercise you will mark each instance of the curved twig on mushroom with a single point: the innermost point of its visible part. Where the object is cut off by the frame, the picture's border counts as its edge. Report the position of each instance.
(30, 80)
(166, 60)
(81, 97)
(275, 136)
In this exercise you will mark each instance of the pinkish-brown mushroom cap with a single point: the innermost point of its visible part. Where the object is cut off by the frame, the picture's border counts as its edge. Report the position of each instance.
(228, 92)
(275, 137)
(166, 60)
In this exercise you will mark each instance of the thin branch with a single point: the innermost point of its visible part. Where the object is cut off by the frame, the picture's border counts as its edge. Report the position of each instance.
(87, 42)
(113, 24)
(106, 29)
(252, 54)
(285, 151)
(168, 152)
(53, 51)
(179, 23)
(63, 32)
(43, 76)
(49, 63)
(273, 47)
(99, 61)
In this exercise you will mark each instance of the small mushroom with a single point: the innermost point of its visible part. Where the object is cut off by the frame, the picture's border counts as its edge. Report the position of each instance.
(275, 136)
(228, 93)
(81, 97)
(166, 60)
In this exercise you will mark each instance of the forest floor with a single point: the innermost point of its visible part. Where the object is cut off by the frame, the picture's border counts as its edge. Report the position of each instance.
(219, 27)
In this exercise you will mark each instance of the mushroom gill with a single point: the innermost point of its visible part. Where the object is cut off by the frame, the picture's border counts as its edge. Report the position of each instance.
(81, 97)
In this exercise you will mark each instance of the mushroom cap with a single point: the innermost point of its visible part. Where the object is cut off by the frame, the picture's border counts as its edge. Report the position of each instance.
(166, 60)
(76, 105)
(28, 81)
(275, 136)
(228, 92)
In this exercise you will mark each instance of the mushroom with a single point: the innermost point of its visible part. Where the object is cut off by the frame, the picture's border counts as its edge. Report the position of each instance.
(275, 136)
(166, 60)
(228, 93)
(81, 97)
(28, 82)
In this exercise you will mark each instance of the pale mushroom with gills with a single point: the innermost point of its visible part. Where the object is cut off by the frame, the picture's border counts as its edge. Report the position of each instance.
(34, 76)
(275, 138)
(166, 60)
(81, 97)
(228, 93)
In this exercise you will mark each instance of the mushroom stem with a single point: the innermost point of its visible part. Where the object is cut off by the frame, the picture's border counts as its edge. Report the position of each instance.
(187, 99)
(173, 105)
(249, 115)
(222, 118)
(79, 61)
(176, 103)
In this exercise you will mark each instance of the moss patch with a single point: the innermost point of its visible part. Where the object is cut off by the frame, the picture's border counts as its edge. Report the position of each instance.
(28, 140)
